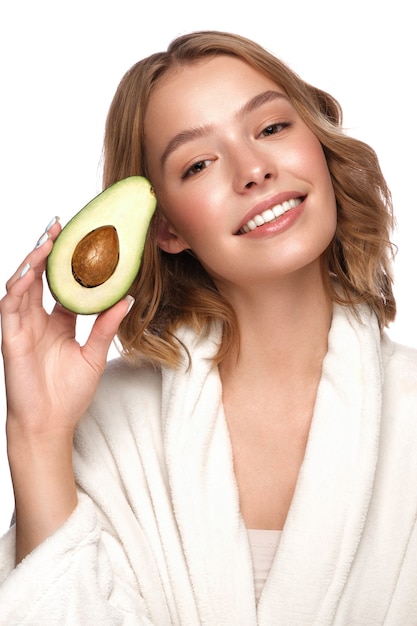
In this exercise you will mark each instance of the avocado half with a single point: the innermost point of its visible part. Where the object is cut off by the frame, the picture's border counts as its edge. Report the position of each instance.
(97, 255)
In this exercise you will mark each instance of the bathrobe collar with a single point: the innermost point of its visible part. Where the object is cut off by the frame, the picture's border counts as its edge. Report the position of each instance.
(333, 491)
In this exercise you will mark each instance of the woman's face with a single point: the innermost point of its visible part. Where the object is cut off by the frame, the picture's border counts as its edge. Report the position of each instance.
(240, 179)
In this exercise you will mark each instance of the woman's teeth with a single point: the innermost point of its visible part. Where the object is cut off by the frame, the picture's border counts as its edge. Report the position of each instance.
(270, 215)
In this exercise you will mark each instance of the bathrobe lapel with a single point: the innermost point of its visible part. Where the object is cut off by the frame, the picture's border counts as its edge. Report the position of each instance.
(204, 491)
(329, 507)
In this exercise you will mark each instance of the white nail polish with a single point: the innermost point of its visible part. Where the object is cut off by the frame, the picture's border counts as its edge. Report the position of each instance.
(53, 221)
(42, 240)
(24, 270)
(131, 301)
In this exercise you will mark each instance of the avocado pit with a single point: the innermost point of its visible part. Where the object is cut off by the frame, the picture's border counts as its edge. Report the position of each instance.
(96, 256)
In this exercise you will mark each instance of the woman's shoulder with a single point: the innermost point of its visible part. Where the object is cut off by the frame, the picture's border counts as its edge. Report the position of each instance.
(398, 356)
(125, 392)
(400, 371)
(126, 375)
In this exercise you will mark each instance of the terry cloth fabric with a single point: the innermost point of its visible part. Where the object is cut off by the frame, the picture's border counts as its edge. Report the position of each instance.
(158, 539)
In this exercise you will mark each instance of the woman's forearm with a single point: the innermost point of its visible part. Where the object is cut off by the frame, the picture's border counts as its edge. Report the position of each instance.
(44, 487)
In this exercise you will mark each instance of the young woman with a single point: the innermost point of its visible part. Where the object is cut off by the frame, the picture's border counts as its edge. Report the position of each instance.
(251, 458)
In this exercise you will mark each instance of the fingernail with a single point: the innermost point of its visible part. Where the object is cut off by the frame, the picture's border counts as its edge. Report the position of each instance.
(131, 301)
(24, 270)
(53, 221)
(42, 239)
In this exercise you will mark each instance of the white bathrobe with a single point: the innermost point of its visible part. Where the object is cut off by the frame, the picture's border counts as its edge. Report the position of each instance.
(157, 537)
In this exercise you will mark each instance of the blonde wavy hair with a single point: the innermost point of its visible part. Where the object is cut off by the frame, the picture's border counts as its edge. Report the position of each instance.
(172, 290)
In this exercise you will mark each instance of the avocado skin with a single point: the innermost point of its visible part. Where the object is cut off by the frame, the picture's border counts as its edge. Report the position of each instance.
(128, 205)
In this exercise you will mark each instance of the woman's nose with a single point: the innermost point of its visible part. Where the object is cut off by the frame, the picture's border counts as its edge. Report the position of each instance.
(252, 168)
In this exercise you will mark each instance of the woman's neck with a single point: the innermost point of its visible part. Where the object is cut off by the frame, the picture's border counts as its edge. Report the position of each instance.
(269, 391)
(282, 328)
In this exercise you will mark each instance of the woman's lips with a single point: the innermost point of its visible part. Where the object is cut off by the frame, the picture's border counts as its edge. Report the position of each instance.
(270, 214)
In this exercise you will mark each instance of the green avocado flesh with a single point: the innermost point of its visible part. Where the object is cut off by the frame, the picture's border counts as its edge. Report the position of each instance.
(97, 255)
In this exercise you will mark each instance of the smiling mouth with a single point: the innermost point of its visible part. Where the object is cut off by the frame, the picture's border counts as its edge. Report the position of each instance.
(270, 215)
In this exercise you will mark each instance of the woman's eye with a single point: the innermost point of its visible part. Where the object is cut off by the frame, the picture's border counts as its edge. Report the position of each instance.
(196, 168)
(273, 129)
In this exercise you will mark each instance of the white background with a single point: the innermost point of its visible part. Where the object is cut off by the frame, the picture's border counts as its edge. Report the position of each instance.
(61, 62)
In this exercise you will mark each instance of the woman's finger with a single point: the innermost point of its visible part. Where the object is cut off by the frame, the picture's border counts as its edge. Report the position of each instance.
(25, 288)
(37, 257)
(103, 332)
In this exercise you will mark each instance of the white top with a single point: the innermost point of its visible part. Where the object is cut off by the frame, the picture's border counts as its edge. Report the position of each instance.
(263, 546)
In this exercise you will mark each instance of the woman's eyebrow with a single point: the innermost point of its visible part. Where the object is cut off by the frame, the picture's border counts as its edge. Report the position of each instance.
(183, 137)
(200, 131)
(260, 99)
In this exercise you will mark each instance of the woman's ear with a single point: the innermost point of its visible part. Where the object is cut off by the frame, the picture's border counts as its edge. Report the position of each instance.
(167, 238)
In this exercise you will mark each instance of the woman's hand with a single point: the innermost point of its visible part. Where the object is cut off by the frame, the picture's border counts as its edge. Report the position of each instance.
(50, 378)
(50, 381)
